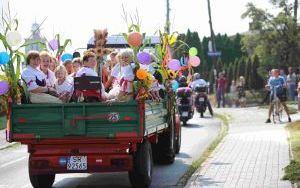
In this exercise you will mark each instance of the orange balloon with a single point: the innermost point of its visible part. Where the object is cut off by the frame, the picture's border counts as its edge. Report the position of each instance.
(135, 39)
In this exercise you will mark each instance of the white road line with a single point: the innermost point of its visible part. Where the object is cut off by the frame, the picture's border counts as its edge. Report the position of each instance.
(12, 162)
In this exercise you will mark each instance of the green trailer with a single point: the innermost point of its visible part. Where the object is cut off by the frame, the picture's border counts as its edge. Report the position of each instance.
(95, 137)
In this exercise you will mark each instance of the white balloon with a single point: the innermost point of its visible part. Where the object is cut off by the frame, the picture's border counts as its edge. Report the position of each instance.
(13, 38)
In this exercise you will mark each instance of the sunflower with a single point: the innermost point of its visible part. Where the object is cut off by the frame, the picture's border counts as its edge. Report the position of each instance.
(171, 74)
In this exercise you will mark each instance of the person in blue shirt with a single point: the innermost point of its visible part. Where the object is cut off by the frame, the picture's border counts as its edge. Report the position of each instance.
(277, 85)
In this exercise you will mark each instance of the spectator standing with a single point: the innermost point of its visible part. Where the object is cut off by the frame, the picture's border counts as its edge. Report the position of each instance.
(221, 89)
(291, 83)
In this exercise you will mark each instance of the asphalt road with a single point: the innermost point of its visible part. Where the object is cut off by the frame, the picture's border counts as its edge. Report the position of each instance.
(195, 139)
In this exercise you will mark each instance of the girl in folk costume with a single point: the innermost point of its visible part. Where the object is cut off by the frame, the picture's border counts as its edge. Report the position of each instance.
(123, 75)
(63, 85)
(46, 60)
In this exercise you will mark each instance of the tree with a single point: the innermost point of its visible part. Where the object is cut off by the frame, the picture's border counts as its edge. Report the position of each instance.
(275, 38)
(257, 81)
(249, 73)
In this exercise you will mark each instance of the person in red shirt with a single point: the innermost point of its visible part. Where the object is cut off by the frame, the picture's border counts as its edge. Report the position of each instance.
(221, 86)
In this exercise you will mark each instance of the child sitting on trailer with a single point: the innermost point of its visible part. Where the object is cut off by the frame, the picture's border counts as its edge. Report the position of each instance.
(88, 69)
(63, 84)
(123, 75)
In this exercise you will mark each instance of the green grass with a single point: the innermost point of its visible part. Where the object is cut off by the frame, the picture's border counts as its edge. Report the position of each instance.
(292, 171)
(2, 122)
(197, 164)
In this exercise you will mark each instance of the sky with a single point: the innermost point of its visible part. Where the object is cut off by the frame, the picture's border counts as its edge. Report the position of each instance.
(77, 19)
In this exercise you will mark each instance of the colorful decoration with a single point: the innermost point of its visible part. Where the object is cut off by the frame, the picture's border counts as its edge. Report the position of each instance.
(135, 39)
(174, 65)
(4, 87)
(66, 57)
(171, 75)
(175, 85)
(193, 51)
(194, 61)
(13, 38)
(4, 58)
(53, 44)
(141, 74)
(144, 58)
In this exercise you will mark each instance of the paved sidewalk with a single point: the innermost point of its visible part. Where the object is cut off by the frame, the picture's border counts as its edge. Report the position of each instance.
(252, 155)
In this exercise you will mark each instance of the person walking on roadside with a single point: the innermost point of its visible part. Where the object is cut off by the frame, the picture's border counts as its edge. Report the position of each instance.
(241, 92)
(277, 82)
(221, 89)
(291, 83)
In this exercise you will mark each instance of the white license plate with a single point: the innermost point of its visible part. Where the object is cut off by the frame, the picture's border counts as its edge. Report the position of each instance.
(77, 163)
(201, 99)
(185, 114)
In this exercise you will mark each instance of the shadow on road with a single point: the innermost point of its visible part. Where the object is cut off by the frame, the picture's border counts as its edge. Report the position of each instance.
(193, 126)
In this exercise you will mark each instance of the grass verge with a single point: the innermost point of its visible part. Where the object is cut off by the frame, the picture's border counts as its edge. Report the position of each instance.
(292, 171)
(2, 122)
(197, 164)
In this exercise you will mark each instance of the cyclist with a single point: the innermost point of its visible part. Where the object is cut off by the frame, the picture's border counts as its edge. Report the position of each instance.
(276, 82)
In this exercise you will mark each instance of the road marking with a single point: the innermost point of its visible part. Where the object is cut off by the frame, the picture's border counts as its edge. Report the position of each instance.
(12, 162)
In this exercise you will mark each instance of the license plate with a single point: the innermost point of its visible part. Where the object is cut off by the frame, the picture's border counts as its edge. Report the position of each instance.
(201, 99)
(77, 163)
(185, 114)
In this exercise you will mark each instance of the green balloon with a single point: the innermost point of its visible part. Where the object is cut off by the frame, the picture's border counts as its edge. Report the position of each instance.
(193, 51)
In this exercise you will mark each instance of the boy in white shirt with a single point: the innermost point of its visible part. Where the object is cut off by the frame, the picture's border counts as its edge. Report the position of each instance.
(88, 69)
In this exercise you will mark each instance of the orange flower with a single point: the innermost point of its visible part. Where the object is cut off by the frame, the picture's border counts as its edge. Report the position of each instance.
(141, 74)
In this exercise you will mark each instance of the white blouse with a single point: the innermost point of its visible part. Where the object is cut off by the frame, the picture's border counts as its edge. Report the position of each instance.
(66, 87)
(86, 71)
(33, 78)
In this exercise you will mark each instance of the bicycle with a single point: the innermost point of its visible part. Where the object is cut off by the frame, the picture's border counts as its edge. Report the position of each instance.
(277, 107)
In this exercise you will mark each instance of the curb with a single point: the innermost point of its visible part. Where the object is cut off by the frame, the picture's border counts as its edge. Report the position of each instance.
(9, 145)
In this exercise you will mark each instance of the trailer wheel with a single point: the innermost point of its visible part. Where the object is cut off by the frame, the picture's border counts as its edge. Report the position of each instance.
(164, 149)
(42, 181)
(141, 174)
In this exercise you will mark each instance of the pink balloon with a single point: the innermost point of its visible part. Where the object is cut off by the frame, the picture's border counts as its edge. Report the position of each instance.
(3, 87)
(174, 65)
(194, 61)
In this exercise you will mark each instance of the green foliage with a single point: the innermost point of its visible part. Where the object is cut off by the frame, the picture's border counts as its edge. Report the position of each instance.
(275, 38)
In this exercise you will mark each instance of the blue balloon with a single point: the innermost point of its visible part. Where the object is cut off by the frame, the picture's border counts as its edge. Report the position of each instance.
(183, 61)
(4, 58)
(66, 57)
(175, 85)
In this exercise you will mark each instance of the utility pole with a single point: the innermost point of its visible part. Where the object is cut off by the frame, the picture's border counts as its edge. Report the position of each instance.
(167, 27)
(212, 36)
(296, 5)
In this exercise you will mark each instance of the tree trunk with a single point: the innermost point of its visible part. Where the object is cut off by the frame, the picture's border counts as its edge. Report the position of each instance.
(296, 11)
